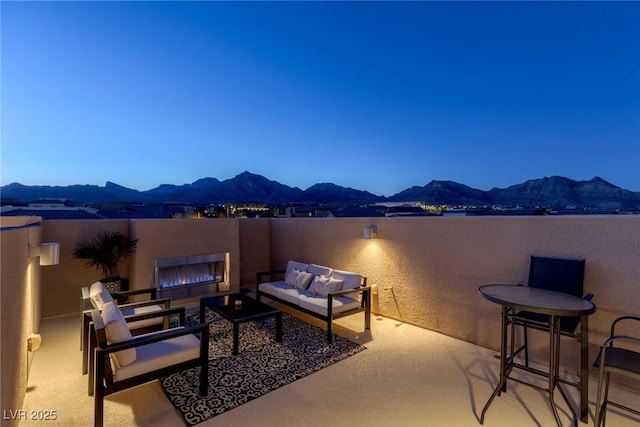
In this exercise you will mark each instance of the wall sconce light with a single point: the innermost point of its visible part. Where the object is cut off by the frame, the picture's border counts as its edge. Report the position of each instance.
(49, 253)
(370, 232)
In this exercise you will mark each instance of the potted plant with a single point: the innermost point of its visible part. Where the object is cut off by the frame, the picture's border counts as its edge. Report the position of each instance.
(106, 252)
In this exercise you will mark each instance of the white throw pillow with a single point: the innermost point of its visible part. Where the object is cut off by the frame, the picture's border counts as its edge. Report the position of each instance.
(99, 295)
(318, 284)
(291, 277)
(304, 280)
(324, 286)
(117, 331)
(298, 279)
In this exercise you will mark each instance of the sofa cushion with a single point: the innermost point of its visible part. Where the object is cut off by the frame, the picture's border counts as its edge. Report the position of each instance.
(351, 280)
(323, 285)
(99, 295)
(297, 265)
(160, 354)
(281, 290)
(117, 331)
(319, 270)
(319, 304)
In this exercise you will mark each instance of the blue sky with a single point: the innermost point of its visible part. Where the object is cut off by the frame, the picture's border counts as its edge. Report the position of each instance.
(378, 96)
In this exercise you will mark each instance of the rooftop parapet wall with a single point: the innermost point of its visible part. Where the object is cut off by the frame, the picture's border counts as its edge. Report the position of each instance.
(19, 308)
(427, 270)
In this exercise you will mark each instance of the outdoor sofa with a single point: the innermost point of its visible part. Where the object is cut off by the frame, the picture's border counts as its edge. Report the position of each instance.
(318, 291)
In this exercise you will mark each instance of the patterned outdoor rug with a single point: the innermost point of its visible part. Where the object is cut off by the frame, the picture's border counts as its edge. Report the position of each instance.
(262, 366)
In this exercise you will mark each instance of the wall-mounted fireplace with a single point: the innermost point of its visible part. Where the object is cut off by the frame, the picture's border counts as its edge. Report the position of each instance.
(191, 276)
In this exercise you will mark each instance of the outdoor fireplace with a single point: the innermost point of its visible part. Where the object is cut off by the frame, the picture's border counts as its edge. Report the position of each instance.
(190, 276)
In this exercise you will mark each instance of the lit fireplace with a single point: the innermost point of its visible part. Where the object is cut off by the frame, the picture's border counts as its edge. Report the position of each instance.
(190, 276)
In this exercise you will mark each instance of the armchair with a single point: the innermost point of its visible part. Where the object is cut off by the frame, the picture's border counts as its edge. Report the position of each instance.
(96, 296)
(120, 361)
(620, 354)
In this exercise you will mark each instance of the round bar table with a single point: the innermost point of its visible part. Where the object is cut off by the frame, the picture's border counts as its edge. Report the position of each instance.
(553, 304)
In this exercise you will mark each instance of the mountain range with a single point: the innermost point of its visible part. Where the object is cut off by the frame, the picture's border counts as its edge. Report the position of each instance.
(555, 192)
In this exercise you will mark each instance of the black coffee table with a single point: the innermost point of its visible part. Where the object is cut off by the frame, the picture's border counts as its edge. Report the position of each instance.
(248, 311)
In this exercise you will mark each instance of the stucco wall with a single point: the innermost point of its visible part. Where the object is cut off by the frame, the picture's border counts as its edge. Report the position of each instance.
(255, 248)
(62, 282)
(427, 269)
(181, 237)
(19, 309)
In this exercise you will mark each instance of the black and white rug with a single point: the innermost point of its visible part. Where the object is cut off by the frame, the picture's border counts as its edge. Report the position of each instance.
(262, 365)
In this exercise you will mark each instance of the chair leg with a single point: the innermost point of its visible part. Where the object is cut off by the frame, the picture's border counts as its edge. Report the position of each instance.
(605, 403)
(526, 346)
(98, 415)
(91, 346)
(82, 330)
(204, 366)
(600, 403)
(86, 320)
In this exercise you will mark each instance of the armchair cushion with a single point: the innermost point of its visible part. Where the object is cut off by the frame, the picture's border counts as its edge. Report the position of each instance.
(99, 295)
(144, 309)
(117, 331)
(158, 355)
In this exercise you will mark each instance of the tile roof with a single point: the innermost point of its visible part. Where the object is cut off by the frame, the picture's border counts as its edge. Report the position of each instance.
(53, 213)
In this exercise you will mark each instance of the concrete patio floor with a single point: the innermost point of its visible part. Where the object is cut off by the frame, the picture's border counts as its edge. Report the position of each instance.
(408, 376)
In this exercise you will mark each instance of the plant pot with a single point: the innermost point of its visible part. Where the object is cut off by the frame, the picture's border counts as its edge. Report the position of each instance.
(115, 285)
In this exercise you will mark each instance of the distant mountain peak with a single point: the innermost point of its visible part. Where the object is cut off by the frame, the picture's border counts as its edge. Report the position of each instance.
(246, 187)
(110, 184)
(598, 180)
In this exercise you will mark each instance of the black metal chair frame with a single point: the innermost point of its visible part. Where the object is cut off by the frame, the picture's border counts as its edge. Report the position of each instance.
(618, 360)
(568, 325)
(101, 381)
(86, 307)
(363, 289)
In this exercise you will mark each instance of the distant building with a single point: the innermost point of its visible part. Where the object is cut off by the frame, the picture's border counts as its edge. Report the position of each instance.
(405, 210)
(353, 211)
(47, 213)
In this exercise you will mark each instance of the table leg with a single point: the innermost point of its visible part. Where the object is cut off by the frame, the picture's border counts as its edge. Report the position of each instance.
(584, 369)
(503, 363)
(236, 333)
(279, 327)
(554, 361)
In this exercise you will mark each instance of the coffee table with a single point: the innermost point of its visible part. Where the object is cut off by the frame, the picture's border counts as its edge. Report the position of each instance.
(240, 308)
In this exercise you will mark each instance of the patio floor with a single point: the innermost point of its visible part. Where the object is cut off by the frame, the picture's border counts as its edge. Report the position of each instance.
(408, 376)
